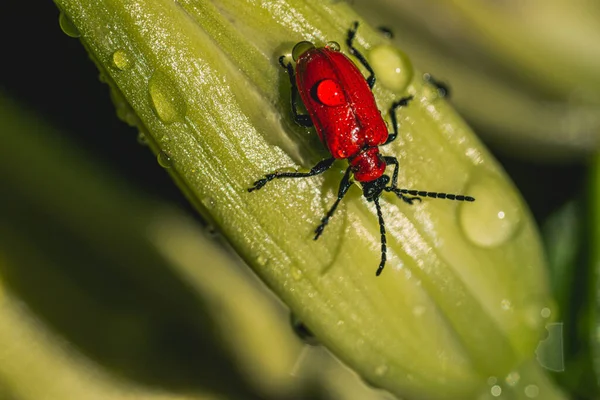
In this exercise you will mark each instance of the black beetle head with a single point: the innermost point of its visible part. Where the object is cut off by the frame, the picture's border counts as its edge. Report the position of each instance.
(373, 189)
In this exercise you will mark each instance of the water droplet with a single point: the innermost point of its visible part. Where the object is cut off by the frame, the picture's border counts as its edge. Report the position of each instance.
(262, 260)
(546, 312)
(301, 48)
(167, 101)
(67, 26)
(296, 273)
(334, 46)
(142, 139)
(121, 60)
(418, 311)
(496, 390)
(164, 160)
(381, 370)
(506, 305)
(513, 378)
(492, 380)
(494, 216)
(532, 391)
(392, 67)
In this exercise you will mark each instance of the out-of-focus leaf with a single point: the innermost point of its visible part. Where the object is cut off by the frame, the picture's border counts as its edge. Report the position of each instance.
(107, 295)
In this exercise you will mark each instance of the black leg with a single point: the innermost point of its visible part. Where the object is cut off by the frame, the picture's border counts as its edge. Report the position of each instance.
(344, 186)
(394, 161)
(385, 31)
(301, 119)
(321, 167)
(442, 88)
(356, 53)
(403, 102)
(383, 238)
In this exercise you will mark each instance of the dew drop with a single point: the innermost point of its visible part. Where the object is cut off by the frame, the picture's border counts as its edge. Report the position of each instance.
(262, 260)
(492, 380)
(506, 305)
(164, 160)
(495, 215)
(392, 67)
(67, 26)
(296, 273)
(142, 139)
(532, 391)
(334, 46)
(381, 370)
(121, 60)
(546, 312)
(301, 48)
(167, 101)
(513, 378)
(496, 390)
(418, 311)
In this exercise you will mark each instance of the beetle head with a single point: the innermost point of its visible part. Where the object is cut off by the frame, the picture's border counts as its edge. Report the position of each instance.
(373, 189)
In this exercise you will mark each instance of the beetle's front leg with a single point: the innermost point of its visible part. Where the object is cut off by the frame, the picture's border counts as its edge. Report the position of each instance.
(301, 119)
(354, 51)
(392, 188)
(403, 102)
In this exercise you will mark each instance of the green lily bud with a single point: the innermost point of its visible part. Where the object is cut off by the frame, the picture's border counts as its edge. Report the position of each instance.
(462, 295)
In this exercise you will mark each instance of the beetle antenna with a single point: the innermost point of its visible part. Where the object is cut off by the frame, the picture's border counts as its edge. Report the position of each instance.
(383, 238)
(421, 193)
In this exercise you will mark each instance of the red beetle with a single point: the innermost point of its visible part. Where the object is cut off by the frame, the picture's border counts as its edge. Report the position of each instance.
(342, 108)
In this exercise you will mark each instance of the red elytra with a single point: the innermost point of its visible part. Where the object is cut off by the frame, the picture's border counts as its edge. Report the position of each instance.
(341, 106)
(343, 110)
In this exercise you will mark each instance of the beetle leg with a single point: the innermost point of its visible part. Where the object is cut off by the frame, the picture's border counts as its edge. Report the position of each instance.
(403, 102)
(344, 186)
(383, 238)
(354, 51)
(393, 188)
(321, 167)
(301, 119)
(442, 88)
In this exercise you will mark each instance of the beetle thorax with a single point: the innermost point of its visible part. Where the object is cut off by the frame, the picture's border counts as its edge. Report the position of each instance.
(368, 165)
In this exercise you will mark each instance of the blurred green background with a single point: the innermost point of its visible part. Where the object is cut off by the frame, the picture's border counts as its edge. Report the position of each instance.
(140, 333)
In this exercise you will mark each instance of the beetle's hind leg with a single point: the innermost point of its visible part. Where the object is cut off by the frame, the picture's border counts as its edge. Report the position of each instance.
(354, 51)
(301, 119)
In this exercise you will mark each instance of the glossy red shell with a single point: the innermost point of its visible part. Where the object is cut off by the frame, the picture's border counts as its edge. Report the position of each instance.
(343, 110)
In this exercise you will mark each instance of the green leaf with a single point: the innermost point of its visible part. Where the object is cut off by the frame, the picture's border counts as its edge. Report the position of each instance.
(461, 297)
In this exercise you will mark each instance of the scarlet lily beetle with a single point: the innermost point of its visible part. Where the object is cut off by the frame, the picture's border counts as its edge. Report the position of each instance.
(342, 108)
